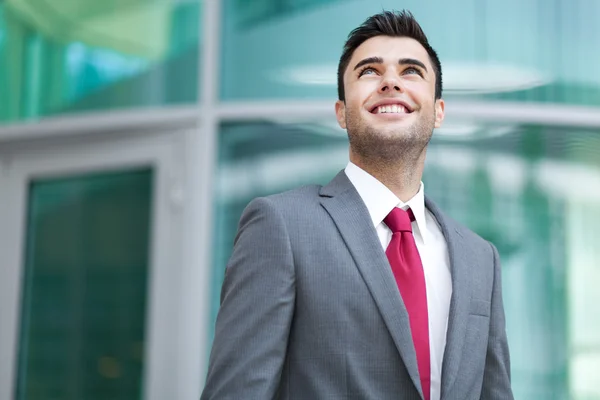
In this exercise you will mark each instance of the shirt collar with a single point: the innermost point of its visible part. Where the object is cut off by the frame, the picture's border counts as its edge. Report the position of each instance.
(380, 200)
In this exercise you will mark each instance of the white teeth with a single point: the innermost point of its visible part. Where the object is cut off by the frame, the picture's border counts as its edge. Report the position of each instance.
(393, 109)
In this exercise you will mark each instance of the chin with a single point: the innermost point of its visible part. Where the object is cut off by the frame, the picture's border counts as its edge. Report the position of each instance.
(395, 131)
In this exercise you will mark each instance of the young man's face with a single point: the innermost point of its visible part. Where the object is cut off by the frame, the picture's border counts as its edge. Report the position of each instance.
(390, 92)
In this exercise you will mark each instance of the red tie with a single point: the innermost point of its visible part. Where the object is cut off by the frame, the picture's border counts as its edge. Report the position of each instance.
(408, 270)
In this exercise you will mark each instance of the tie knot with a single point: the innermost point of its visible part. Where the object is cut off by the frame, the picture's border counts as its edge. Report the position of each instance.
(399, 220)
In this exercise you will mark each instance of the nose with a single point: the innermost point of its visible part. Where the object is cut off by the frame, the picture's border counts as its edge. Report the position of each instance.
(390, 84)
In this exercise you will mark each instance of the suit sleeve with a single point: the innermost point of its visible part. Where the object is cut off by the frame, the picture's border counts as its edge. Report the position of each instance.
(257, 306)
(496, 377)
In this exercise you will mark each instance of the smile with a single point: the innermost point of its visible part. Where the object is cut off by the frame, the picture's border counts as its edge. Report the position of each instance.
(391, 109)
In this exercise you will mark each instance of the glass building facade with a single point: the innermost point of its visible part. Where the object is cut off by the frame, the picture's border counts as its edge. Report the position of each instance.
(133, 134)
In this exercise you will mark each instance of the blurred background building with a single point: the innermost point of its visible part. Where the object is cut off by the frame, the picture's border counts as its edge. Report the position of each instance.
(134, 132)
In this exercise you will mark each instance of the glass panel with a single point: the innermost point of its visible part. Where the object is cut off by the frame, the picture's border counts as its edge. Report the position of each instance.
(532, 190)
(84, 291)
(64, 57)
(583, 278)
(511, 50)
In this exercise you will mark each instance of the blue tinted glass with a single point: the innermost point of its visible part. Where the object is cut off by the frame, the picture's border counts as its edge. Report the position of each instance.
(63, 57)
(509, 50)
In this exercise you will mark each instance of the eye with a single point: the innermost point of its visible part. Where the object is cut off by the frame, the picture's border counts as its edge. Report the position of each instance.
(413, 70)
(367, 71)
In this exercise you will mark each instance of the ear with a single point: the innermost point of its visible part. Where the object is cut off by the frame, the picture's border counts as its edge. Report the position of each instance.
(439, 112)
(340, 113)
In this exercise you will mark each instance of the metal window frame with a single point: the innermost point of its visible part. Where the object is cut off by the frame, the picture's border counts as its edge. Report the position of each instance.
(47, 159)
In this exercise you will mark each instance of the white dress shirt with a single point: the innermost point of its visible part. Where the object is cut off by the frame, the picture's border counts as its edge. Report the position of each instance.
(432, 249)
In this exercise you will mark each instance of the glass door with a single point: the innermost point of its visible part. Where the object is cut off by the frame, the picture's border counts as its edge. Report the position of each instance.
(87, 241)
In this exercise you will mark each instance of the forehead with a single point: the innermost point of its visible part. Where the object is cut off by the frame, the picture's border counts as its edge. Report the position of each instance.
(391, 49)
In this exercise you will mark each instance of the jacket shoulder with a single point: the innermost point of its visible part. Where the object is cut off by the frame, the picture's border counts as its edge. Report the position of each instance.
(303, 196)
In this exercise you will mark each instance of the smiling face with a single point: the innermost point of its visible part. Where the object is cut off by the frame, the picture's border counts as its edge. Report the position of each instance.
(390, 108)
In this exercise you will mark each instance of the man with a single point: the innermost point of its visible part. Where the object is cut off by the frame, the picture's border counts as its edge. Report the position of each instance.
(364, 289)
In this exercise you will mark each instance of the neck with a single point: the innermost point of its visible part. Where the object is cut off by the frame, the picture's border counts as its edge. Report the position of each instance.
(402, 177)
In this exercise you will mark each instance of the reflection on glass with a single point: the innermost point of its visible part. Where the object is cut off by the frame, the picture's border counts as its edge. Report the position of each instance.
(64, 57)
(509, 50)
(84, 288)
(532, 190)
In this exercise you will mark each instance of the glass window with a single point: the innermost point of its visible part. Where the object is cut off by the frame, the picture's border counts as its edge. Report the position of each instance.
(64, 57)
(84, 289)
(509, 50)
(531, 190)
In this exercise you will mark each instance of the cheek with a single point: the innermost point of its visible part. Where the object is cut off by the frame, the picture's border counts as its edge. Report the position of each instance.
(354, 109)
(419, 89)
(361, 90)
(352, 102)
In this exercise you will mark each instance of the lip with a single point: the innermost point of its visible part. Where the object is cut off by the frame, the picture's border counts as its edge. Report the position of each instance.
(391, 101)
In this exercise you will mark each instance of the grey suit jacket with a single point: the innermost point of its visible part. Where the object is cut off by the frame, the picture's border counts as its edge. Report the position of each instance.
(310, 308)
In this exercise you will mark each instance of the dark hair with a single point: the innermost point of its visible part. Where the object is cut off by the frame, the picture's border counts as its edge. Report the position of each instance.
(388, 23)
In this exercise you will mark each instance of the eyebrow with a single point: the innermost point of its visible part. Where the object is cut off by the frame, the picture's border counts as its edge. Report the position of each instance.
(412, 61)
(369, 60)
(379, 60)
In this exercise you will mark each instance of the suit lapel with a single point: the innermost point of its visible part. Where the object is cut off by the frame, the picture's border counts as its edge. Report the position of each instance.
(461, 296)
(348, 211)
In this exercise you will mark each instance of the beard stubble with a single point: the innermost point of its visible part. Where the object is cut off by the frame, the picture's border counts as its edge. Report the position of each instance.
(403, 145)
